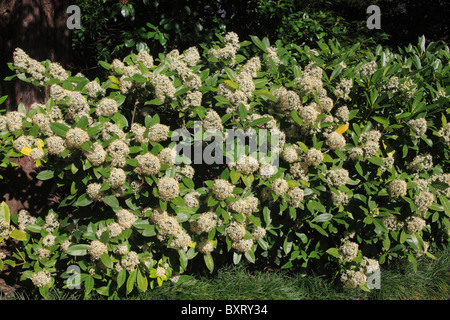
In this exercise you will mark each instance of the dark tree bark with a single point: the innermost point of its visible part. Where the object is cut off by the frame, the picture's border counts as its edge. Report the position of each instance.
(39, 28)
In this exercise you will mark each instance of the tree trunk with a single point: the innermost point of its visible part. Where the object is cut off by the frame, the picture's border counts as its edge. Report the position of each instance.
(39, 28)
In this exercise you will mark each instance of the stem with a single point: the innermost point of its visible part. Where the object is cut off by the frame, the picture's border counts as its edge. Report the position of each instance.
(134, 111)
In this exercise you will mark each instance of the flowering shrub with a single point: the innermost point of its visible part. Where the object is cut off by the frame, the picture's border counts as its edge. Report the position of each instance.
(356, 174)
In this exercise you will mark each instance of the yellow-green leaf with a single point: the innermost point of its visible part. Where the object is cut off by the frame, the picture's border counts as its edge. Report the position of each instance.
(26, 151)
(39, 143)
(18, 235)
(232, 84)
(342, 129)
(4, 212)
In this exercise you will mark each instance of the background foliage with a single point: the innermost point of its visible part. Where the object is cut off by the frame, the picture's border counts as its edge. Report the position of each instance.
(307, 55)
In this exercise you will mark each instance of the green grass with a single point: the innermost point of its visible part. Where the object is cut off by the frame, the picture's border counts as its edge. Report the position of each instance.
(398, 282)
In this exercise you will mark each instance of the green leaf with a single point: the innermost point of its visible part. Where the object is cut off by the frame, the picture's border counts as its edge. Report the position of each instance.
(131, 281)
(445, 203)
(334, 252)
(237, 257)
(5, 215)
(121, 277)
(250, 255)
(258, 43)
(242, 112)
(83, 123)
(336, 72)
(77, 250)
(142, 281)
(44, 291)
(183, 259)
(111, 201)
(319, 229)
(259, 121)
(83, 201)
(106, 259)
(45, 175)
(105, 65)
(149, 231)
(89, 284)
(59, 128)
(2, 99)
(376, 161)
(323, 217)
(266, 94)
(287, 245)
(209, 261)
(18, 235)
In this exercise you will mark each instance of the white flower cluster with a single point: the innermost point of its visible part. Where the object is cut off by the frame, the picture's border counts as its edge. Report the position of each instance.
(392, 85)
(311, 80)
(125, 218)
(444, 133)
(93, 191)
(228, 52)
(106, 108)
(187, 76)
(353, 278)
(280, 186)
(205, 246)
(96, 249)
(212, 121)
(204, 223)
(57, 71)
(56, 145)
(414, 224)
(158, 132)
(24, 219)
(397, 188)
(168, 188)
(33, 67)
(314, 157)
(343, 88)
(14, 120)
(246, 165)
(369, 68)
(335, 141)
(51, 222)
(348, 251)
(246, 205)
(272, 56)
(222, 189)
(75, 137)
(169, 226)
(422, 162)
(418, 126)
(370, 145)
(96, 156)
(118, 150)
(336, 177)
(191, 199)
(242, 89)
(93, 89)
(116, 178)
(42, 278)
(164, 88)
(296, 195)
(130, 262)
(423, 200)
